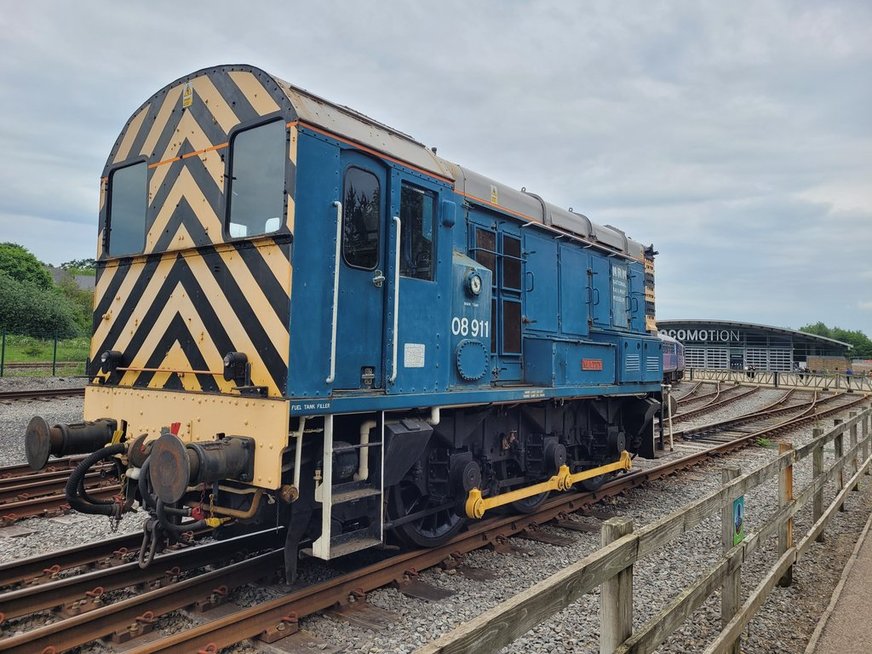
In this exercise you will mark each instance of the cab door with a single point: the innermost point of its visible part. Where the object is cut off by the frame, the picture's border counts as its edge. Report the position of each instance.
(362, 276)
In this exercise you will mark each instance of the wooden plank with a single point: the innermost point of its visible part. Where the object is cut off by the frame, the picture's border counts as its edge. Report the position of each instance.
(853, 432)
(503, 623)
(839, 427)
(616, 594)
(812, 534)
(654, 536)
(733, 630)
(654, 632)
(817, 471)
(866, 437)
(839, 445)
(785, 497)
(731, 586)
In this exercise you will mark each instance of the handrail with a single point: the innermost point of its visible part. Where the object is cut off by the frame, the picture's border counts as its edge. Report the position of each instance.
(395, 338)
(332, 376)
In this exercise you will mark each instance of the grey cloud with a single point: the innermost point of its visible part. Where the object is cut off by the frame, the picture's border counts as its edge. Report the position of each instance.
(729, 134)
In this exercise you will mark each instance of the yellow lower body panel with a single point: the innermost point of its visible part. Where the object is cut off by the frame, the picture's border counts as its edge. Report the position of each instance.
(476, 505)
(201, 416)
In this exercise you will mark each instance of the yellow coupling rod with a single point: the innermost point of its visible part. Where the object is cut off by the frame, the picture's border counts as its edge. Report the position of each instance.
(476, 505)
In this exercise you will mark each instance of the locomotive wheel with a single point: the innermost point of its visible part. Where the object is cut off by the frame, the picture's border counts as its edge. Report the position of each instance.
(594, 483)
(530, 504)
(430, 530)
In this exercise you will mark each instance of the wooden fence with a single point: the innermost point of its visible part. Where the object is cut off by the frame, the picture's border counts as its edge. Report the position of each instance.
(611, 567)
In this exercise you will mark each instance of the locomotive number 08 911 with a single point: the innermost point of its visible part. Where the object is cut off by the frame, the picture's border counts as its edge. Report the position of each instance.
(466, 327)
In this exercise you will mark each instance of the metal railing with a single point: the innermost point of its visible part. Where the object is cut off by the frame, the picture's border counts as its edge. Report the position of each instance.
(779, 379)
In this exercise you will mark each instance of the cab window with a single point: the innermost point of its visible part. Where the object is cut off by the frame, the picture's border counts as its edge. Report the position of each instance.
(128, 202)
(417, 210)
(361, 218)
(257, 180)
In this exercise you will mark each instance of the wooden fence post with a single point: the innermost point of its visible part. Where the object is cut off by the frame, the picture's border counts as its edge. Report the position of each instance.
(866, 446)
(785, 497)
(817, 461)
(616, 594)
(839, 446)
(856, 465)
(731, 588)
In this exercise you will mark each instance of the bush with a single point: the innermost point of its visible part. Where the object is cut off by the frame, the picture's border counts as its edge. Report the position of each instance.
(26, 308)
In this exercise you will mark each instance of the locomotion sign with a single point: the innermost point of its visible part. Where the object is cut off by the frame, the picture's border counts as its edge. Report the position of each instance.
(702, 335)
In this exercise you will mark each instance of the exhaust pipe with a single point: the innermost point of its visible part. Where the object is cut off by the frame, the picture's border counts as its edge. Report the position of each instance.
(42, 441)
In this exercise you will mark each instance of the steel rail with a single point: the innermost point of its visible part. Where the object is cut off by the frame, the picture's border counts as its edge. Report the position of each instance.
(21, 470)
(11, 512)
(77, 592)
(26, 488)
(143, 608)
(714, 406)
(40, 393)
(104, 553)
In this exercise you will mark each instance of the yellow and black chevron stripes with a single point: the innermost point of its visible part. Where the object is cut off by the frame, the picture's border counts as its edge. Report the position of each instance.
(174, 317)
(186, 151)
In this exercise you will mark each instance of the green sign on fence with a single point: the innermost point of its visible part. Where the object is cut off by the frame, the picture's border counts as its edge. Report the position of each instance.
(738, 520)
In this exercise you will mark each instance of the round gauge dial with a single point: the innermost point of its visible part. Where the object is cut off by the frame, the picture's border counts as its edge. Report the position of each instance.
(473, 283)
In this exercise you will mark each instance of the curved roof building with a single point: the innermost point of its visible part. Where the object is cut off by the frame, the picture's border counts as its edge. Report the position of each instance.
(725, 344)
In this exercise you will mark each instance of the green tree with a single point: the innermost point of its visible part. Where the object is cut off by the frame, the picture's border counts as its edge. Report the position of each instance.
(862, 346)
(80, 266)
(20, 265)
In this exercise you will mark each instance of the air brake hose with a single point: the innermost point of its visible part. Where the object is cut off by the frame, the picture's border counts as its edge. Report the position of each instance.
(148, 499)
(167, 524)
(75, 493)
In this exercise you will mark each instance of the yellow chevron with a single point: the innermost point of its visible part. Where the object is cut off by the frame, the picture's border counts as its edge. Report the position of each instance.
(175, 361)
(275, 328)
(130, 135)
(184, 187)
(259, 98)
(105, 279)
(230, 322)
(160, 121)
(142, 305)
(277, 263)
(221, 112)
(189, 129)
(178, 304)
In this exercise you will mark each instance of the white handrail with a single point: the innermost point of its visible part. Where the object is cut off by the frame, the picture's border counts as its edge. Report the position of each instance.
(332, 376)
(396, 339)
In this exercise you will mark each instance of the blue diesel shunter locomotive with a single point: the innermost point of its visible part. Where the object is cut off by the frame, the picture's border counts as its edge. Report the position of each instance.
(304, 317)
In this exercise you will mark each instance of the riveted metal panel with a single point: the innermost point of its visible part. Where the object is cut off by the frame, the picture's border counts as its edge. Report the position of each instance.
(202, 417)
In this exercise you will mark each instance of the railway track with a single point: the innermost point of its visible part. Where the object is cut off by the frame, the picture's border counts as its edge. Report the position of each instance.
(26, 493)
(86, 618)
(687, 395)
(717, 402)
(7, 397)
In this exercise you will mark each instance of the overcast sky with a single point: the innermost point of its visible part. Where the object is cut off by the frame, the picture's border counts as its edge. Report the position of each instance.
(735, 136)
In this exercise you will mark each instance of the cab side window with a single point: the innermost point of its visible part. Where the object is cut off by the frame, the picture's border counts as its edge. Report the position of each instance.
(361, 218)
(257, 180)
(417, 214)
(128, 202)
